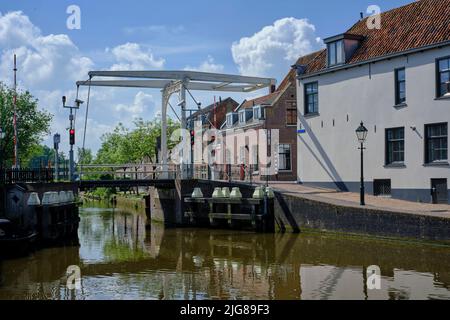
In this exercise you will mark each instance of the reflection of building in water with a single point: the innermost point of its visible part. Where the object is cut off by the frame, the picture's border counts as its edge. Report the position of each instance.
(120, 259)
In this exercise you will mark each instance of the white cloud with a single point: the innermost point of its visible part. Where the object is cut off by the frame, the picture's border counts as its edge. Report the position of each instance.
(272, 50)
(42, 60)
(131, 56)
(208, 65)
(137, 108)
(49, 65)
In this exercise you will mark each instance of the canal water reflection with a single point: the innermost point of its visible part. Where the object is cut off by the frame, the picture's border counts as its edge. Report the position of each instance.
(119, 259)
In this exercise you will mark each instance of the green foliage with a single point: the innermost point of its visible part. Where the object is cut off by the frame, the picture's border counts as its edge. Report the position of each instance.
(40, 155)
(32, 124)
(128, 146)
(85, 156)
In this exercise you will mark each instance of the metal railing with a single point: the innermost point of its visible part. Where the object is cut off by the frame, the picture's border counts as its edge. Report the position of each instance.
(24, 175)
(145, 171)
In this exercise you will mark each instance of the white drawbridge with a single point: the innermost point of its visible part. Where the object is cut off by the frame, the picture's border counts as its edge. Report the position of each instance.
(172, 82)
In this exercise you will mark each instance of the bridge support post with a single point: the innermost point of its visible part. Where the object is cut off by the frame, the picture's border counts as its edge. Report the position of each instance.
(164, 158)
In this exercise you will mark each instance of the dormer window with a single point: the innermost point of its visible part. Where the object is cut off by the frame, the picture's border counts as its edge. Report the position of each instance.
(336, 53)
(258, 113)
(340, 48)
(230, 119)
(242, 118)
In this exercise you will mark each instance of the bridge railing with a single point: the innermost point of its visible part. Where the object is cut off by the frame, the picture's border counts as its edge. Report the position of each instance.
(25, 175)
(145, 171)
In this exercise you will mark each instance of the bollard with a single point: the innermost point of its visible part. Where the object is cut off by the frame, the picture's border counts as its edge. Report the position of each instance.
(236, 194)
(54, 198)
(270, 193)
(259, 193)
(46, 199)
(70, 196)
(197, 193)
(63, 197)
(34, 200)
(226, 192)
(218, 193)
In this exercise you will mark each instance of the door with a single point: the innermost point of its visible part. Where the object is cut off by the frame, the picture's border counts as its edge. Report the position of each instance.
(439, 191)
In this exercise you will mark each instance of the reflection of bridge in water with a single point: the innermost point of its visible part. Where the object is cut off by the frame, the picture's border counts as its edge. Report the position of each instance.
(223, 259)
(187, 263)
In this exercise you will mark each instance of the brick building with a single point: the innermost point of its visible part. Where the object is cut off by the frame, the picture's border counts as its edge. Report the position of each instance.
(277, 110)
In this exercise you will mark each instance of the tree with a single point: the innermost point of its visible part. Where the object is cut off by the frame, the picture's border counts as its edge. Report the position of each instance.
(130, 146)
(32, 125)
(85, 156)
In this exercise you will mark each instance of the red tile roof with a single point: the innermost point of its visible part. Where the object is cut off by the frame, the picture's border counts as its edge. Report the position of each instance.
(264, 100)
(289, 79)
(419, 24)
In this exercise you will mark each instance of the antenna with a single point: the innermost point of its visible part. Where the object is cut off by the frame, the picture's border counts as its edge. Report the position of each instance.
(16, 148)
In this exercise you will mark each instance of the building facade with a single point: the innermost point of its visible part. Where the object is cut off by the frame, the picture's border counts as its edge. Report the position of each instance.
(395, 81)
(275, 111)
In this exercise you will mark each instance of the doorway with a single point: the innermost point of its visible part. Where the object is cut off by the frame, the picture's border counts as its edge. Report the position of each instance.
(439, 191)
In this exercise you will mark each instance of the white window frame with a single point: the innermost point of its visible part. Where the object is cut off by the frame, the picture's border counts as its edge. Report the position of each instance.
(290, 157)
(242, 117)
(333, 46)
(259, 113)
(229, 120)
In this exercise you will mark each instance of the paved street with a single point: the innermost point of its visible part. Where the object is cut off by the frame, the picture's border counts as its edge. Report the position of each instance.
(352, 199)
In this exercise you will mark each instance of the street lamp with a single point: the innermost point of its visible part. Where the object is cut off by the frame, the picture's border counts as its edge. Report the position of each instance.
(361, 133)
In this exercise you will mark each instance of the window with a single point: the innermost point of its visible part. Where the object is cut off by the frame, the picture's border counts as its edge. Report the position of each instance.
(259, 113)
(291, 113)
(242, 117)
(242, 155)
(382, 188)
(443, 76)
(395, 146)
(400, 86)
(285, 157)
(436, 142)
(230, 120)
(311, 98)
(336, 53)
(255, 158)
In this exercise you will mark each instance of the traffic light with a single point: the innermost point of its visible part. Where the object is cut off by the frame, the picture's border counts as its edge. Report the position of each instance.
(192, 137)
(72, 136)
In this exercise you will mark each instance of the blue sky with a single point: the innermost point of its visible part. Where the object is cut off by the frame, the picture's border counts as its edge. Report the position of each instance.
(248, 37)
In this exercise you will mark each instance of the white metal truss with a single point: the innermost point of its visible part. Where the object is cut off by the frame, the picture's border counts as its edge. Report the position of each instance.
(172, 82)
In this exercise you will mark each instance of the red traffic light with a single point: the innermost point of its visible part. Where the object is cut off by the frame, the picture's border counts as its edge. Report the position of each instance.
(72, 136)
(192, 137)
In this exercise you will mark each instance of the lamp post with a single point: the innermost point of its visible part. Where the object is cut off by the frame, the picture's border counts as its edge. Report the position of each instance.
(361, 133)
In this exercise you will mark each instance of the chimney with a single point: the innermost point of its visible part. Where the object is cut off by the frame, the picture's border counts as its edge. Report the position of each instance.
(361, 15)
(273, 88)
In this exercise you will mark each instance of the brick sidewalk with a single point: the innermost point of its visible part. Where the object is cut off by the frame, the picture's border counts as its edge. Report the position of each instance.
(352, 199)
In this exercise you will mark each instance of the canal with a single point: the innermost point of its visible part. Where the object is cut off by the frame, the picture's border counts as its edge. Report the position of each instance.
(120, 259)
